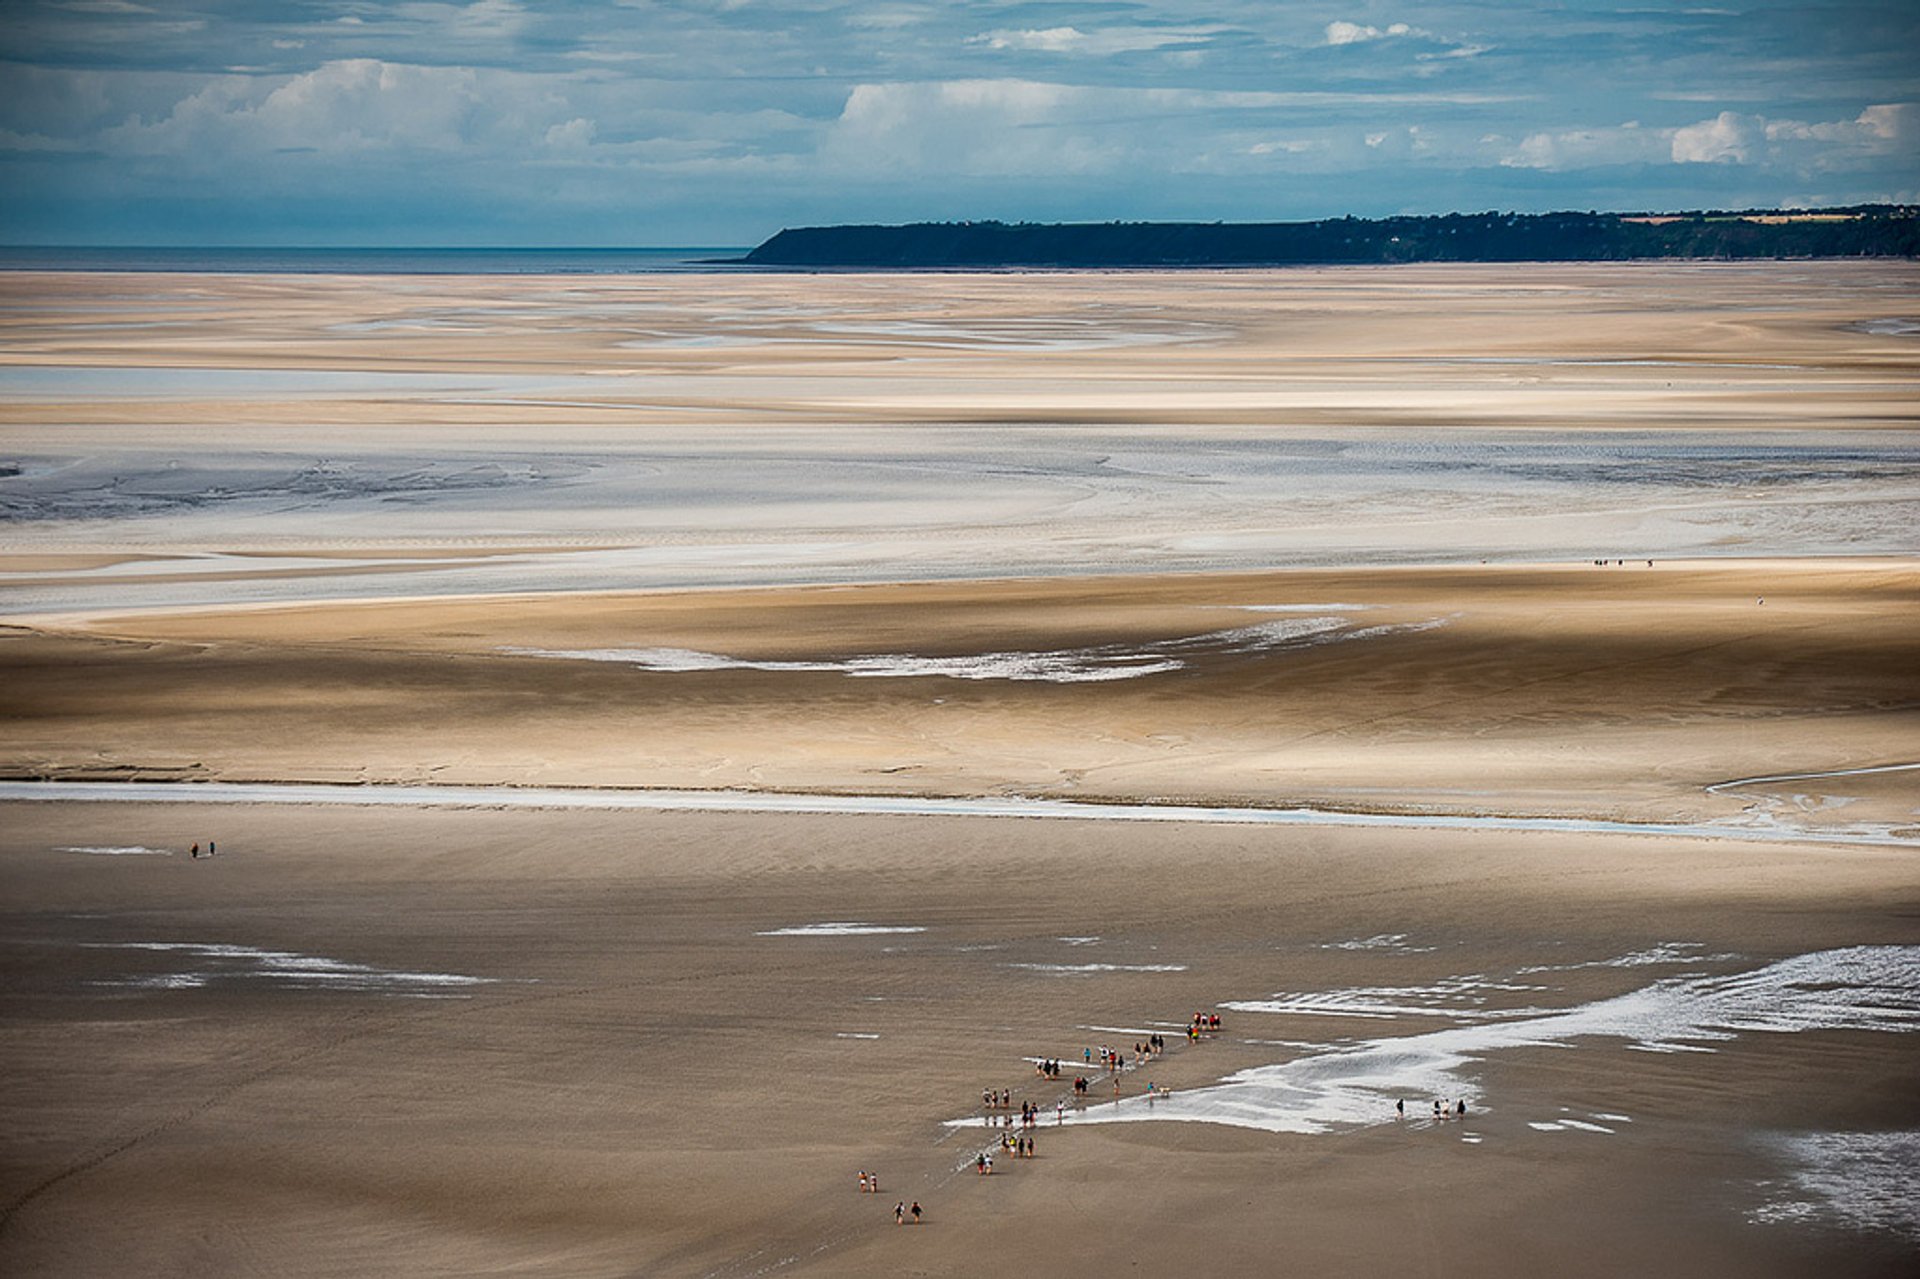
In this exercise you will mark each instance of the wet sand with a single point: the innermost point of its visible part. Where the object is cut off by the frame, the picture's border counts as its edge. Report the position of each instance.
(618, 433)
(646, 1081)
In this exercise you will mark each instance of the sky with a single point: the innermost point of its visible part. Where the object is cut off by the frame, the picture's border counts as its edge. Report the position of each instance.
(717, 122)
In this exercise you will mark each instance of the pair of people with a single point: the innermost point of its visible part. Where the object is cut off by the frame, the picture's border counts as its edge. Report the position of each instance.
(901, 1213)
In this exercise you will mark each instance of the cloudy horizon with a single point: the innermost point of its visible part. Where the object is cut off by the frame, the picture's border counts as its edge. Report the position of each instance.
(717, 122)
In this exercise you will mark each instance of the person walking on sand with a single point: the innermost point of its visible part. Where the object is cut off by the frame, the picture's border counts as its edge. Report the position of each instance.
(863, 1181)
(900, 1213)
(915, 1210)
(194, 852)
(209, 848)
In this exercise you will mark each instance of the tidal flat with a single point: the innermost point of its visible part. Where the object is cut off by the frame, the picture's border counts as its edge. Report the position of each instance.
(673, 741)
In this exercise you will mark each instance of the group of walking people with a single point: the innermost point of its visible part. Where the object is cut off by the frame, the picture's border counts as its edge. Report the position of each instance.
(999, 1101)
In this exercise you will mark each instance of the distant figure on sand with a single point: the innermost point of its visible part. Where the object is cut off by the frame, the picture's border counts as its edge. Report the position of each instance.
(915, 1210)
(863, 1181)
(900, 1213)
(196, 851)
(1401, 1107)
(1461, 1107)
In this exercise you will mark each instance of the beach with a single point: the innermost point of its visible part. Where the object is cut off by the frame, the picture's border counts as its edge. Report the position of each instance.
(673, 741)
(577, 1042)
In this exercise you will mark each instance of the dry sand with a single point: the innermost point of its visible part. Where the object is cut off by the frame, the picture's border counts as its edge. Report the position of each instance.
(1616, 692)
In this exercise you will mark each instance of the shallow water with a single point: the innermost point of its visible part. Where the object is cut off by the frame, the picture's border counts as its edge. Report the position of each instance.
(848, 929)
(1861, 988)
(1063, 666)
(1743, 828)
(1859, 1180)
(192, 965)
(732, 505)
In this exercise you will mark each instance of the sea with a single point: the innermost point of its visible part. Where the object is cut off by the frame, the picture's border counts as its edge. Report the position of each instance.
(362, 261)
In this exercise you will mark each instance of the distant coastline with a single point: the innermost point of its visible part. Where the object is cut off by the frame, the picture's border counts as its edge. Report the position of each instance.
(1879, 230)
(1856, 231)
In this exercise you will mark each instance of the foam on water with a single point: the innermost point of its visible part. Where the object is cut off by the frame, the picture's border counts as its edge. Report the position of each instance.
(1666, 952)
(1302, 608)
(222, 962)
(1067, 667)
(1860, 988)
(1074, 970)
(129, 850)
(1396, 942)
(1858, 1180)
(1059, 666)
(839, 929)
(1460, 997)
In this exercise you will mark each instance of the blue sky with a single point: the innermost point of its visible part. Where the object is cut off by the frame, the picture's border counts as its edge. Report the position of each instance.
(717, 122)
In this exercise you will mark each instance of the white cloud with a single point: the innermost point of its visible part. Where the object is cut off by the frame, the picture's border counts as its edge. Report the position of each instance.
(967, 126)
(1458, 51)
(486, 18)
(13, 141)
(1585, 148)
(1357, 33)
(1285, 146)
(888, 18)
(1880, 127)
(1100, 43)
(355, 104)
(365, 102)
(1005, 127)
(574, 135)
(1728, 138)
